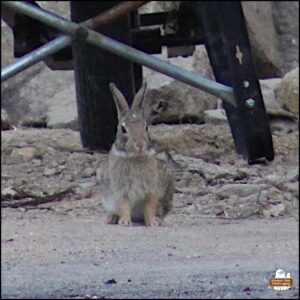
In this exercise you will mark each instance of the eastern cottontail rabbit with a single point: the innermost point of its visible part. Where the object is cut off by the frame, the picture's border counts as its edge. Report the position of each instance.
(141, 186)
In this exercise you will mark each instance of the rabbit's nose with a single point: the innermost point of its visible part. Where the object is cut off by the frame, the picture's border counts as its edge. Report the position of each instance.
(139, 146)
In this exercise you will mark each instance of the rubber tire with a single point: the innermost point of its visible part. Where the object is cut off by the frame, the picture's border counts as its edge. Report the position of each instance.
(94, 69)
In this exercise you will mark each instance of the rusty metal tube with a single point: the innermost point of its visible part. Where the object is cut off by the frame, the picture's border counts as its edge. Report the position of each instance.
(116, 12)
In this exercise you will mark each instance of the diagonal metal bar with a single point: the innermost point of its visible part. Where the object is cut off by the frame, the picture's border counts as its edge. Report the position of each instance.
(100, 40)
(104, 19)
(34, 57)
(113, 14)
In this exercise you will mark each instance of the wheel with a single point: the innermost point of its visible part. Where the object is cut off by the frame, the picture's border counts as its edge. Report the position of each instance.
(94, 69)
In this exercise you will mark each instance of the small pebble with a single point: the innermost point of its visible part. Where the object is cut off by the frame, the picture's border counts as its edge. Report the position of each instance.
(24, 154)
(49, 172)
(110, 281)
(69, 177)
(88, 172)
(36, 162)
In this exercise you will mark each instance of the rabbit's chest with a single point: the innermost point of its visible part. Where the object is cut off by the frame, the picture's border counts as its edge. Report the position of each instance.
(135, 180)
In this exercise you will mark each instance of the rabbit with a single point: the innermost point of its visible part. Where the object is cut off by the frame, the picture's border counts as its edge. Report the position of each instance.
(141, 185)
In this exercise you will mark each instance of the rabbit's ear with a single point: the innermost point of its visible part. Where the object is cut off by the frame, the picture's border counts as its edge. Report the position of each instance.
(121, 103)
(139, 97)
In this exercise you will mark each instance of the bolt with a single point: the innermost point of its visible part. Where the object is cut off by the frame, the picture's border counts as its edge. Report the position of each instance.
(81, 33)
(246, 83)
(250, 103)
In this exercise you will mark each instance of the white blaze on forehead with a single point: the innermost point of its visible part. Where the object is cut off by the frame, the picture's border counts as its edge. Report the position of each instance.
(135, 116)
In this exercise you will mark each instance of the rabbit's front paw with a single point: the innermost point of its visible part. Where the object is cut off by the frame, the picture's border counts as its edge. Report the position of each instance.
(124, 221)
(154, 222)
(112, 219)
(124, 213)
(150, 212)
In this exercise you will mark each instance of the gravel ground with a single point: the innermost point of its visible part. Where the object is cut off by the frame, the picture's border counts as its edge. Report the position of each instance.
(231, 227)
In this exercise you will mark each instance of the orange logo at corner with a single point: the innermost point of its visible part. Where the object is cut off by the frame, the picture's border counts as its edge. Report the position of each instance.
(281, 282)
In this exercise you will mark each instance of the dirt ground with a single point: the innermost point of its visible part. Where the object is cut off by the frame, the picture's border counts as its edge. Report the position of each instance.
(232, 225)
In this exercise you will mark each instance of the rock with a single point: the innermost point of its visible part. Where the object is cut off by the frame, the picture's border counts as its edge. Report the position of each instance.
(241, 207)
(287, 92)
(50, 151)
(88, 172)
(282, 179)
(62, 112)
(168, 100)
(292, 174)
(274, 210)
(24, 154)
(32, 99)
(213, 172)
(69, 177)
(293, 187)
(215, 116)
(16, 100)
(36, 162)
(281, 119)
(272, 104)
(86, 183)
(6, 123)
(283, 125)
(28, 96)
(275, 179)
(201, 63)
(271, 196)
(8, 192)
(240, 190)
(286, 22)
(6, 45)
(267, 88)
(263, 38)
(49, 172)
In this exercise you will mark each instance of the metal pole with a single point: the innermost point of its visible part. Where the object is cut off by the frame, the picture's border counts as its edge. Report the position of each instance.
(95, 38)
(104, 19)
(34, 57)
(113, 14)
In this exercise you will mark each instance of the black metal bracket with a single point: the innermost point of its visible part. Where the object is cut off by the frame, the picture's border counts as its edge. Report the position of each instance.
(229, 51)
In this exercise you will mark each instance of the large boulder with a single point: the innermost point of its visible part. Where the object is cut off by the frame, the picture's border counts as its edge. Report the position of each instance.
(272, 105)
(62, 112)
(32, 97)
(286, 21)
(168, 100)
(263, 39)
(287, 92)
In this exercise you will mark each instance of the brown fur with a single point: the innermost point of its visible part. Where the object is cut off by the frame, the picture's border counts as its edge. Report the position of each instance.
(141, 185)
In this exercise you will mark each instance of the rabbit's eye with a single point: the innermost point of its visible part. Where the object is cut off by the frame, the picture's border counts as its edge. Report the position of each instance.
(123, 129)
